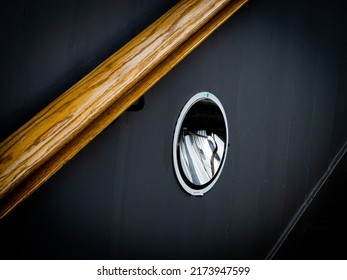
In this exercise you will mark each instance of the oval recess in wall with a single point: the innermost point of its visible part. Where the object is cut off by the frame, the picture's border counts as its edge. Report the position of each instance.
(200, 143)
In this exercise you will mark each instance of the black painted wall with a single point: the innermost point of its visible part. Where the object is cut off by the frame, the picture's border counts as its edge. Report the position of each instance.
(280, 70)
(321, 232)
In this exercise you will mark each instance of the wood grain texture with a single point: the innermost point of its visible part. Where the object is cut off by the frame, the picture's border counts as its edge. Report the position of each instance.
(43, 145)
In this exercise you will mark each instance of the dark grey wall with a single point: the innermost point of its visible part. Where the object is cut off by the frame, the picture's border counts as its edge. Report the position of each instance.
(279, 69)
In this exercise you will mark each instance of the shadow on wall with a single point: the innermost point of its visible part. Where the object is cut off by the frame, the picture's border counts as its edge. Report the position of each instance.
(321, 233)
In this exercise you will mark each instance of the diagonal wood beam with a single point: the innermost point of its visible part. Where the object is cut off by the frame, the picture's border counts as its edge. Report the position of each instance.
(38, 149)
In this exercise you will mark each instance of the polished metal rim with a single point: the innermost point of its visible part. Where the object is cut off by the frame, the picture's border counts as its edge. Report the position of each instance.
(199, 155)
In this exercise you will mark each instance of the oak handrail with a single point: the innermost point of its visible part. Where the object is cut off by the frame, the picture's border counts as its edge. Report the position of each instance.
(44, 144)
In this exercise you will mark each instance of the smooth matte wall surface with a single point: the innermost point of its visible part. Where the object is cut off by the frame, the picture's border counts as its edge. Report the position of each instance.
(278, 67)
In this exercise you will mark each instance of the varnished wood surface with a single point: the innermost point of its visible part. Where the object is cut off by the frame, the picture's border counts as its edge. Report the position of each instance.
(39, 148)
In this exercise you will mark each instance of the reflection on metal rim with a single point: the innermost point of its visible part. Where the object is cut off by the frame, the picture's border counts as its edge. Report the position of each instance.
(200, 155)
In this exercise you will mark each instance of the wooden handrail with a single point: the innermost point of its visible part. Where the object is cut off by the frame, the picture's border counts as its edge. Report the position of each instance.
(44, 144)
